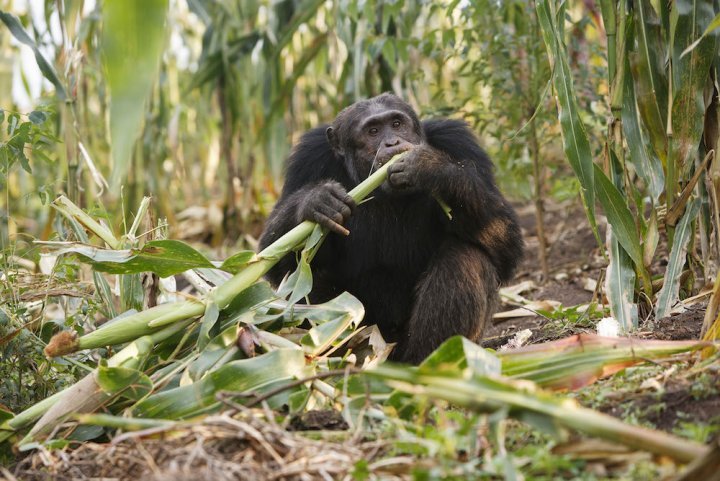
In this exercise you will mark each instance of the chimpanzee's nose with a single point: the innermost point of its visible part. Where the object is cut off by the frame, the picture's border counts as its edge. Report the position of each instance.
(392, 142)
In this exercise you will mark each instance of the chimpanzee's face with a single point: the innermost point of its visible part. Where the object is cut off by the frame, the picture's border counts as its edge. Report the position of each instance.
(371, 132)
(380, 136)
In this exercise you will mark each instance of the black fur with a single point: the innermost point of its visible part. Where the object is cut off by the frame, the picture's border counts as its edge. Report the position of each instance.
(421, 276)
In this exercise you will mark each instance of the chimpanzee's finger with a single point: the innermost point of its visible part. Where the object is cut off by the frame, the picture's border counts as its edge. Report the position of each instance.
(336, 209)
(396, 168)
(335, 188)
(399, 149)
(345, 211)
(399, 179)
(332, 211)
(339, 193)
(328, 223)
(350, 203)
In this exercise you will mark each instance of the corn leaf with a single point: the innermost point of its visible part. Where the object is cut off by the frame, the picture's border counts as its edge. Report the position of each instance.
(249, 299)
(163, 257)
(16, 29)
(304, 12)
(118, 422)
(648, 71)
(255, 375)
(579, 360)
(91, 392)
(237, 262)
(459, 352)
(642, 154)
(524, 402)
(331, 320)
(690, 75)
(714, 25)
(124, 381)
(132, 42)
(618, 215)
(575, 140)
(669, 293)
(219, 351)
(620, 283)
(212, 313)
(455, 355)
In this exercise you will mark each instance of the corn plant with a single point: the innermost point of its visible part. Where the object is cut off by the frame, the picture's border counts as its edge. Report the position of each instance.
(652, 181)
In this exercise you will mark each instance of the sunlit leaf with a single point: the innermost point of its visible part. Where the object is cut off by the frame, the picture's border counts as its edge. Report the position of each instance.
(163, 257)
(619, 215)
(132, 42)
(579, 360)
(48, 71)
(236, 262)
(575, 140)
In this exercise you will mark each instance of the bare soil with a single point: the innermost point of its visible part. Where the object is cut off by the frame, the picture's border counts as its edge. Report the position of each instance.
(573, 258)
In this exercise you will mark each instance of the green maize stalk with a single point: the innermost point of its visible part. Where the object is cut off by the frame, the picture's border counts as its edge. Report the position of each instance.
(149, 321)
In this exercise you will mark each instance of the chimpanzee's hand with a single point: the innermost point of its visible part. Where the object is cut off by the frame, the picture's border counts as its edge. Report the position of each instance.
(413, 171)
(329, 205)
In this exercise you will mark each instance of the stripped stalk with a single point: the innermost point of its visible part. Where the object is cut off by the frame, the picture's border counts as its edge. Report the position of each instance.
(142, 210)
(69, 209)
(484, 394)
(270, 256)
(134, 352)
(146, 322)
(118, 422)
(122, 329)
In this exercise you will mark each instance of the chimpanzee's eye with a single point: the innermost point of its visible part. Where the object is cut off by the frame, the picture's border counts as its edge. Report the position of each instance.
(396, 124)
(373, 131)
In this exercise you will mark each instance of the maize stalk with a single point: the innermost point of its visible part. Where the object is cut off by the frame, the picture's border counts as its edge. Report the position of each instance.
(143, 323)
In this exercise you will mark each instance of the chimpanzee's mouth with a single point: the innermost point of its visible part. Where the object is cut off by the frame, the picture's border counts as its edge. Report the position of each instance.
(380, 162)
(383, 156)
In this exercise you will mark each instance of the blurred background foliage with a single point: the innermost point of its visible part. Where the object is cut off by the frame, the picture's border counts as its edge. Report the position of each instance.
(238, 82)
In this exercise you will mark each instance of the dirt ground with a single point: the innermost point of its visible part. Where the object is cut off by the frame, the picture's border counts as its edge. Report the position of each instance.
(575, 261)
(576, 266)
(573, 258)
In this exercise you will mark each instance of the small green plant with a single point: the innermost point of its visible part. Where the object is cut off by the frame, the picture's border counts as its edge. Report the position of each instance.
(22, 137)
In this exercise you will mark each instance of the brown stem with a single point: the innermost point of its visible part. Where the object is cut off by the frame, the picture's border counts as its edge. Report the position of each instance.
(538, 174)
(232, 224)
(71, 152)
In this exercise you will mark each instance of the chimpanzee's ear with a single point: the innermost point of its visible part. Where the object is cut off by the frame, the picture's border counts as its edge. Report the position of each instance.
(334, 141)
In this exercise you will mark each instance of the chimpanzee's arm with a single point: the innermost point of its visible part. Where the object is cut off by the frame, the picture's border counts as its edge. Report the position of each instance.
(463, 178)
(311, 164)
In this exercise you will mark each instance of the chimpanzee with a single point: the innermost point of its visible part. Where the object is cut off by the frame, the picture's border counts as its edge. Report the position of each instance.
(422, 275)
